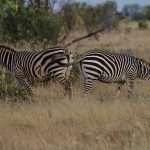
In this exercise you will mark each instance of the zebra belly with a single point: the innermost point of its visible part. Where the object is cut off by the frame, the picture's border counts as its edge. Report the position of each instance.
(39, 78)
(106, 79)
(45, 78)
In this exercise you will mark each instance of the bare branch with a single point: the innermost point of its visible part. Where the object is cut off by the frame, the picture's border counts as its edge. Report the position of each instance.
(86, 36)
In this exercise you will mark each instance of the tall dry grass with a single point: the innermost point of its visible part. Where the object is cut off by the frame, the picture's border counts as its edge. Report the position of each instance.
(100, 121)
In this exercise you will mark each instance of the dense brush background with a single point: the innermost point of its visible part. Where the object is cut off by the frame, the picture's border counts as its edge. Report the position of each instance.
(100, 121)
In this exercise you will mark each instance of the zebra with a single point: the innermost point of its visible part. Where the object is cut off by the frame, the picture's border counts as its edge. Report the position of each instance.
(28, 66)
(108, 67)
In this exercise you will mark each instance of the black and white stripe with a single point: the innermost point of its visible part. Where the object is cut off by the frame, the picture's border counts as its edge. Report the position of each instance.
(111, 68)
(30, 66)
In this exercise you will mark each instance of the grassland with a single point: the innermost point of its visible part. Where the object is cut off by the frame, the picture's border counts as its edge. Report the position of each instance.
(101, 121)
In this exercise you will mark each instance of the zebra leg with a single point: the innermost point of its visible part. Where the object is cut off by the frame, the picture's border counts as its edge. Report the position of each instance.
(130, 77)
(68, 89)
(130, 88)
(119, 87)
(87, 85)
(22, 81)
(67, 86)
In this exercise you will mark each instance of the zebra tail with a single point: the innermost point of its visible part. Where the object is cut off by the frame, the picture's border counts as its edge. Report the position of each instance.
(57, 57)
(69, 64)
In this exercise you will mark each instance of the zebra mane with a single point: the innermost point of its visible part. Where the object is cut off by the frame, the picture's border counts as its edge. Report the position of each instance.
(8, 48)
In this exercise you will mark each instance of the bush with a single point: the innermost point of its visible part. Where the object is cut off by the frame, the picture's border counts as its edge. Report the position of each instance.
(28, 23)
(142, 25)
(8, 89)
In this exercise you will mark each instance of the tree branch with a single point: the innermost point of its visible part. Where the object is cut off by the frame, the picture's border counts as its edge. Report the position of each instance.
(86, 36)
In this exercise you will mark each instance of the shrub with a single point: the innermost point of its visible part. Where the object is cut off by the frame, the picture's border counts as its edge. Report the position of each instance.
(8, 89)
(142, 25)
(28, 23)
(75, 73)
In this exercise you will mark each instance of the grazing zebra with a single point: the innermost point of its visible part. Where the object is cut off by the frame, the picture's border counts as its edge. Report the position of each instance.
(112, 68)
(30, 66)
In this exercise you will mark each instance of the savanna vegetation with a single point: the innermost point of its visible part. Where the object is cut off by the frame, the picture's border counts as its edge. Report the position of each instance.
(100, 121)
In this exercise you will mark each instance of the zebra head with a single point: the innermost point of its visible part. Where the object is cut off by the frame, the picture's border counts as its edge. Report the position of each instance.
(144, 69)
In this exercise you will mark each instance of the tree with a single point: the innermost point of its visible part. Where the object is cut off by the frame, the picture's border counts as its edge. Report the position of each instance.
(99, 15)
(89, 17)
(47, 5)
(132, 10)
(28, 23)
(107, 14)
(147, 12)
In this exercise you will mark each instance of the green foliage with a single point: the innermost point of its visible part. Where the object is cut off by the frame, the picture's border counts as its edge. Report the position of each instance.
(71, 16)
(107, 14)
(89, 17)
(40, 25)
(131, 9)
(101, 14)
(37, 21)
(136, 12)
(142, 24)
(28, 23)
(147, 12)
(8, 89)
